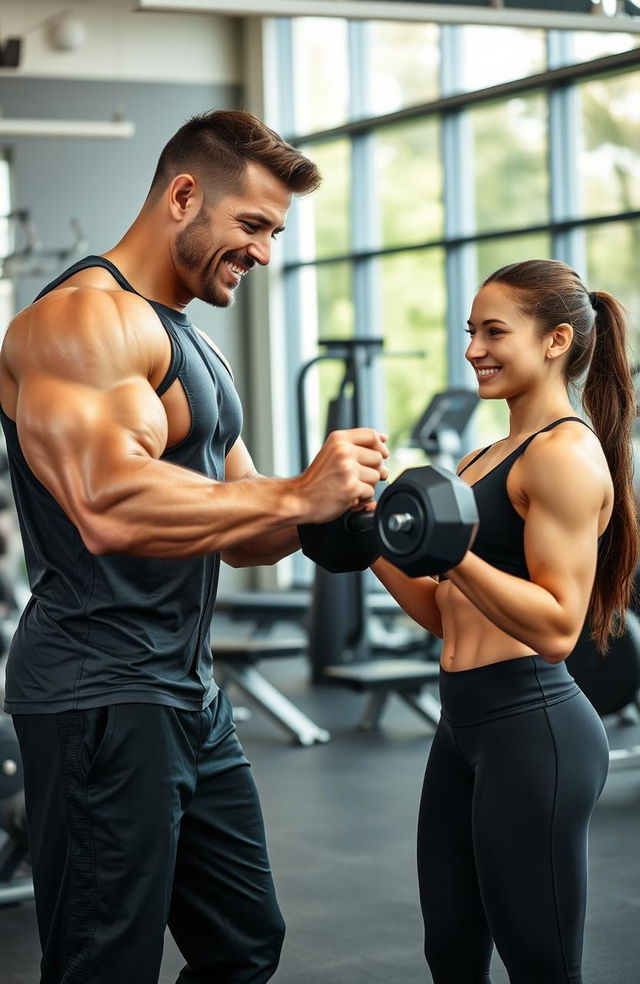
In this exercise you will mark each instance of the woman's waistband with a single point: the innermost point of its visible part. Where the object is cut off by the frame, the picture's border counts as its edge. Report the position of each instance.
(496, 690)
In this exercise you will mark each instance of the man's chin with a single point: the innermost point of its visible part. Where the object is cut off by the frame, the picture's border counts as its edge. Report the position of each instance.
(218, 298)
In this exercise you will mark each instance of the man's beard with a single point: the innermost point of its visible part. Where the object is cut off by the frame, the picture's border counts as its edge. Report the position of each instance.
(191, 245)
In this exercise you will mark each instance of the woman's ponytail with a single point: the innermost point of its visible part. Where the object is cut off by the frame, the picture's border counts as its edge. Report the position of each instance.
(552, 293)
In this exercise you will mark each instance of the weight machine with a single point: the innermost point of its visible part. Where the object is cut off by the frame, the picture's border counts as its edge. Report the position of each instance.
(31, 259)
(346, 645)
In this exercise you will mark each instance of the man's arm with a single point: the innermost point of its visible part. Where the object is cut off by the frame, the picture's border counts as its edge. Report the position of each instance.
(561, 530)
(77, 371)
(260, 550)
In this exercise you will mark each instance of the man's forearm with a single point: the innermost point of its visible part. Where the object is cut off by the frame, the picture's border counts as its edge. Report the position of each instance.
(263, 550)
(158, 509)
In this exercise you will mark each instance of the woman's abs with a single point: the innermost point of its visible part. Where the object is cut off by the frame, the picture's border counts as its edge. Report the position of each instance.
(469, 638)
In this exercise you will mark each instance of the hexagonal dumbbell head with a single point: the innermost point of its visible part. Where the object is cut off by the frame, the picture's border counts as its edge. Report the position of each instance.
(426, 520)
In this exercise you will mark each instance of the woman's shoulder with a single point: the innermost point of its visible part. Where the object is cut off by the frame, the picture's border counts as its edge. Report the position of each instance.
(572, 436)
(567, 456)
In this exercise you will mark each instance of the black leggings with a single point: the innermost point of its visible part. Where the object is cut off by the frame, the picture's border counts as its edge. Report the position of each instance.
(516, 766)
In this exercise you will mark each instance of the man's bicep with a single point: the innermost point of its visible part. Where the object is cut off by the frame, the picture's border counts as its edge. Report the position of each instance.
(76, 438)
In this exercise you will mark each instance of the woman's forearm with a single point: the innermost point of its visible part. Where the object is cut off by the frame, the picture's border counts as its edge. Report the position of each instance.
(416, 596)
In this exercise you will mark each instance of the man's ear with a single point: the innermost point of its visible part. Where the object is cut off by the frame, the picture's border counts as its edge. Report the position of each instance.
(184, 197)
(558, 340)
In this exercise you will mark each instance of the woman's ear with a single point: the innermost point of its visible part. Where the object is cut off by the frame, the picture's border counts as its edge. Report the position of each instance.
(558, 340)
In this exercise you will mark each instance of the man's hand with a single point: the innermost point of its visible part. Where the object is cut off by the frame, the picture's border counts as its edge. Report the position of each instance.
(344, 473)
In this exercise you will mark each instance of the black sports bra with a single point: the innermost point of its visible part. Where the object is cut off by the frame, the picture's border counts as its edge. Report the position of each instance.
(500, 537)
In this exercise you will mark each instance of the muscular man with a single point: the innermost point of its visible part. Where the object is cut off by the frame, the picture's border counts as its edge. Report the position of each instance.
(131, 481)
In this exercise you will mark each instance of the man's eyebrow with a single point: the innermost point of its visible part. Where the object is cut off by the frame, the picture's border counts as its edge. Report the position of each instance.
(261, 219)
(487, 321)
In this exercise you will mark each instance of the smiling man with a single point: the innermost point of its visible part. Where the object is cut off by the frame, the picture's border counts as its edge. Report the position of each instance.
(131, 480)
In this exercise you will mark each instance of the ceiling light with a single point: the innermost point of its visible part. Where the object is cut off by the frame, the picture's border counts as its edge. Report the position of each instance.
(89, 129)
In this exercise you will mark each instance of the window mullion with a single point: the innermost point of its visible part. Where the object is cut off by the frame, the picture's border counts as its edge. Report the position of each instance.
(364, 228)
(459, 208)
(564, 148)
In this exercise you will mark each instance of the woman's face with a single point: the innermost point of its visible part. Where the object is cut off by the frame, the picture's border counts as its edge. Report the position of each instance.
(506, 349)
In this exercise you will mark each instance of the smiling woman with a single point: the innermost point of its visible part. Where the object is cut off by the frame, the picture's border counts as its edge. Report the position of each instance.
(503, 787)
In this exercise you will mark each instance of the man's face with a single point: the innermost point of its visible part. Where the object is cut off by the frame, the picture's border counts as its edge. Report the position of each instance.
(225, 240)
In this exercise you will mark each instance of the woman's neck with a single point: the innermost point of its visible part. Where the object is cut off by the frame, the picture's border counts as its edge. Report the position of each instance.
(528, 415)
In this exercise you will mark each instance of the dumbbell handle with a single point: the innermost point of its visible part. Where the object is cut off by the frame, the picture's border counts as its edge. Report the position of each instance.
(401, 522)
(359, 522)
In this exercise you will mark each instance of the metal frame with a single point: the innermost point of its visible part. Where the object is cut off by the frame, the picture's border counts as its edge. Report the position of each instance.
(235, 659)
(281, 710)
(561, 75)
(492, 14)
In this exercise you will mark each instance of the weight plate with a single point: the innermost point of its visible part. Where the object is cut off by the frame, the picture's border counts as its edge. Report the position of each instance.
(399, 543)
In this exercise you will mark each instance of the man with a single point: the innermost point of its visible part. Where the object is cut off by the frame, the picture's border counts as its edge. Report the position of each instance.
(131, 480)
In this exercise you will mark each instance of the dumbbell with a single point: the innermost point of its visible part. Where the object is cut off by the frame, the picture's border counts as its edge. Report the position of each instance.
(424, 523)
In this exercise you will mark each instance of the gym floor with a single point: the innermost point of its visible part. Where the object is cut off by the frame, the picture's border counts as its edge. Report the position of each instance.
(340, 822)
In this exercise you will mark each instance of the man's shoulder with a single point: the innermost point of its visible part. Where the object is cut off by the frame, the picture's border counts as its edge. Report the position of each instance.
(81, 310)
(86, 326)
(90, 300)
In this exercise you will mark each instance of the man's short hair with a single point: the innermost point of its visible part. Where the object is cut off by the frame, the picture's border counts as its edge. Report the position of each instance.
(217, 146)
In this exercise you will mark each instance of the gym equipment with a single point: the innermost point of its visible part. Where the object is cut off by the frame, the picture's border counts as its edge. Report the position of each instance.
(237, 655)
(345, 410)
(31, 259)
(346, 643)
(424, 523)
(611, 682)
(348, 543)
(440, 428)
(338, 625)
(15, 885)
(235, 658)
(10, 762)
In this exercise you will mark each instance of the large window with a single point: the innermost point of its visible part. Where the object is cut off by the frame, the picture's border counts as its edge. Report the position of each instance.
(447, 152)
(609, 162)
(407, 184)
(509, 167)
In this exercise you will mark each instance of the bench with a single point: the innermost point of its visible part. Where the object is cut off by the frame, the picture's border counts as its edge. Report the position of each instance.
(381, 678)
(235, 660)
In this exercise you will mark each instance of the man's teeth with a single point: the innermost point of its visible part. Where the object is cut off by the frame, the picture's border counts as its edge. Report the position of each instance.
(487, 372)
(239, 272)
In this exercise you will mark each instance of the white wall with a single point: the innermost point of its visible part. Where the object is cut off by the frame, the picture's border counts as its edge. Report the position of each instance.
(125, 44)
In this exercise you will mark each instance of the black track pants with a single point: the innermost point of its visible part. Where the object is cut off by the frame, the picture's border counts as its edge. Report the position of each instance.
(516, 766)
(142, 815)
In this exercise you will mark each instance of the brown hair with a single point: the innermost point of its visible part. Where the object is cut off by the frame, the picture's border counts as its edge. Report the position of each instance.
(553, 294)
(218, 145)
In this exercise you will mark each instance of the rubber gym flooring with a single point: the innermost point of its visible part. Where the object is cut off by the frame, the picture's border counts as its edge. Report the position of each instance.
(340, 821)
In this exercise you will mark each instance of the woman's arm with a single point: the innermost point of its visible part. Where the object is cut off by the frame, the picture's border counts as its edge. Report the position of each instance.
(417, 596)
(564, 485)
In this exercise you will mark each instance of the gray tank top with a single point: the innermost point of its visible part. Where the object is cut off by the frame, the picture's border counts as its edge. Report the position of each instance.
(119, 629)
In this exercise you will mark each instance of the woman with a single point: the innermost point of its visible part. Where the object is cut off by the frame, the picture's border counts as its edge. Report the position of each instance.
(520, 757)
